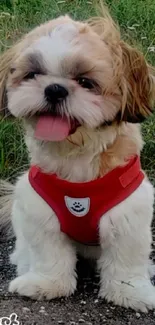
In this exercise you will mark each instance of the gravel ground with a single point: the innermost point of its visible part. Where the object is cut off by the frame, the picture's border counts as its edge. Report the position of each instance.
(83, 308)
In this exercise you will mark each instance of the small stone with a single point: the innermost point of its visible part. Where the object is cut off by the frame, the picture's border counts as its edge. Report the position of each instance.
(42, 307)
(81, 320)
(83, 302)
(85, 314)
(60, 322)
(42, 311)
(25, 309)
(96, 301)
(137, 315)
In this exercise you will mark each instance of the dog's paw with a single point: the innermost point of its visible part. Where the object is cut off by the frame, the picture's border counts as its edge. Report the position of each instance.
(38, 287)
(138, 295)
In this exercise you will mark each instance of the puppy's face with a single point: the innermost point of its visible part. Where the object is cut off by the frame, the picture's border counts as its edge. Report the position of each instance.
(66, 77)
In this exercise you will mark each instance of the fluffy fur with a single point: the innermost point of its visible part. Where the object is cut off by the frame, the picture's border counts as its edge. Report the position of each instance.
(122, 95)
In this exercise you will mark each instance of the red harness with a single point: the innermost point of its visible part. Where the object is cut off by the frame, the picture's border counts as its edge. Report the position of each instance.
(79, 206)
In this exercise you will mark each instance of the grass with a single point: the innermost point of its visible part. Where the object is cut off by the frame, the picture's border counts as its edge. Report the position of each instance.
(137, 23)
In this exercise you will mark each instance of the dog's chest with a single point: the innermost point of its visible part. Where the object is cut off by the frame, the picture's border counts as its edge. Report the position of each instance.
(79, 206)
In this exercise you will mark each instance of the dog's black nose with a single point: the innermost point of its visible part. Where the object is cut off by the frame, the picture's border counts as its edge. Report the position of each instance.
(55, 93)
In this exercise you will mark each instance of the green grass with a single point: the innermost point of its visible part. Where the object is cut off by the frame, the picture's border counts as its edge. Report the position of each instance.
(137, 23)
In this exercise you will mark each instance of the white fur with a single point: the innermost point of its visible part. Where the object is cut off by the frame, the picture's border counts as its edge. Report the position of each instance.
(64, 159)
(45, 257)
(125, 237)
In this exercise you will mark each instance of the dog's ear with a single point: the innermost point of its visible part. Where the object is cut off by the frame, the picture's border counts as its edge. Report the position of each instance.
(5, 64)
(138, 86)
(6, 61)
(132, 72)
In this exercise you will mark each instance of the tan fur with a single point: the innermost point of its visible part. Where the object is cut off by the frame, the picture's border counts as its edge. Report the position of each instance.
(139, 94)
(124, 147)
(5, 62)
(135, 76)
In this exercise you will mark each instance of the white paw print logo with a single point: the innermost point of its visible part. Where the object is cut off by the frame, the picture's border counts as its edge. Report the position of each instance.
(78, 206)
(11, 320)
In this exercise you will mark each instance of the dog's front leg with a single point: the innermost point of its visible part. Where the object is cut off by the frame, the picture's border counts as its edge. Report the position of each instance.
(51, 258)
(125, 236)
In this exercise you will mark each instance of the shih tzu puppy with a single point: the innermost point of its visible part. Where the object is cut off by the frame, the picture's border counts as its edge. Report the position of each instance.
(81, 92)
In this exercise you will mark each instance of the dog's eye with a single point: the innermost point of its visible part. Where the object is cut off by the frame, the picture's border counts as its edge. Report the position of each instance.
(30, 75)
(85, 83)
(12, 70)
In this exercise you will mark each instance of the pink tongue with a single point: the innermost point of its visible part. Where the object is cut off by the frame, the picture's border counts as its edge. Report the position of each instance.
(51, 128)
